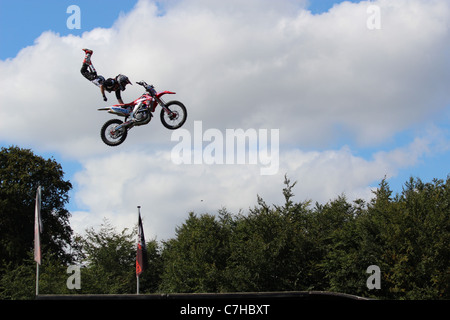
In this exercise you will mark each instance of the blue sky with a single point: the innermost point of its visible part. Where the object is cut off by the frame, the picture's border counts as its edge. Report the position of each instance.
(423, 138)
(22, 21)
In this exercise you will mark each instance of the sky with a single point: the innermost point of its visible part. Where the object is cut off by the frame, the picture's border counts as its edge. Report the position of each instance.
(345, 93)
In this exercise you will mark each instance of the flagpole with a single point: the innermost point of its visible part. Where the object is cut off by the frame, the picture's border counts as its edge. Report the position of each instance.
(37, 236)
(137, 275)
(137, 286)
(37, 279)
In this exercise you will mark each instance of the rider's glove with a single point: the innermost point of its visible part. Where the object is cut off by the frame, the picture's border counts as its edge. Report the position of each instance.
(104, 98)
(151, 90)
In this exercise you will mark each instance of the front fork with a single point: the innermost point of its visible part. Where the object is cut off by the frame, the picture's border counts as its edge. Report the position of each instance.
(163, 105)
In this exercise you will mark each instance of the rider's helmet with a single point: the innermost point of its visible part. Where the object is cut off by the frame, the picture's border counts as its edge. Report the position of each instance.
(123, 81)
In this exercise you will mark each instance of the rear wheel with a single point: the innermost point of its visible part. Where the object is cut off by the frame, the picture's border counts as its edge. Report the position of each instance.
(176, 117)
(111, 135)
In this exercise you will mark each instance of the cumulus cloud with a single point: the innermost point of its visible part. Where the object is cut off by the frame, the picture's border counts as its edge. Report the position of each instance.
(319, 79)
(242, 65)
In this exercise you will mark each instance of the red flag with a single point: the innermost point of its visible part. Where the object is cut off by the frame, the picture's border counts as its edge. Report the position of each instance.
(37, 227)
(141, 254)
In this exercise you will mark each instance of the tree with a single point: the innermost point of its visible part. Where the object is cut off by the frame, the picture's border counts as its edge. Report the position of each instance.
(195, 260)
(21, 172)
(342, 264)
(416, 252)
(108, 258)
(269, 247)
(327, 248)
(261, 247)
(18, 281)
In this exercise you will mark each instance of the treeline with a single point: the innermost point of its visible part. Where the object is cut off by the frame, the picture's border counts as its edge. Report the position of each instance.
(294, 247)
(298, 247)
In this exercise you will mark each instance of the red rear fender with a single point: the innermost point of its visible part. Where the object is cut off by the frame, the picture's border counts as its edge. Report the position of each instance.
(125, 105)
(160, 94)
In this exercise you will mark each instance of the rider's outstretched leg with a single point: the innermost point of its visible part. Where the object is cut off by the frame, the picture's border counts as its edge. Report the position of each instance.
(87, 69)
(89, 53)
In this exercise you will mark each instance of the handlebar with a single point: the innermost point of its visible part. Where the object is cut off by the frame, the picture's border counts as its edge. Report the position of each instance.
(142, 83)
(149, 88)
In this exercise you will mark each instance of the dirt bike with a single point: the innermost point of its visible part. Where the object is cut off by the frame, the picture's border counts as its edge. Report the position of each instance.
(139, 113)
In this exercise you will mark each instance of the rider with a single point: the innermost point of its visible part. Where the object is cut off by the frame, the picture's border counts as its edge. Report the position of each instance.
(117, 84)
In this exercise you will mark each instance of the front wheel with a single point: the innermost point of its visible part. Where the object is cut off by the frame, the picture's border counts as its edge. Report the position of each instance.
(111, 134)
(175, 115)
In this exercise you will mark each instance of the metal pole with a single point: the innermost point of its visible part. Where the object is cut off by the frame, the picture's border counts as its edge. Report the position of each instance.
(137, 276)
(137, 289)
(37, 278)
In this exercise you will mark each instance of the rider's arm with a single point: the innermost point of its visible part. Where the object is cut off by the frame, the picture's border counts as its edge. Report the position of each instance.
(118, 96)
(102, 90)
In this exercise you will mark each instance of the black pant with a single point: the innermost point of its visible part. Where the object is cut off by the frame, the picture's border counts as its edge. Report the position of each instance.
(87, 73)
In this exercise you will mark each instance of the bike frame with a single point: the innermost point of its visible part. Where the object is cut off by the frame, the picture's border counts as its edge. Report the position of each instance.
(124, 110)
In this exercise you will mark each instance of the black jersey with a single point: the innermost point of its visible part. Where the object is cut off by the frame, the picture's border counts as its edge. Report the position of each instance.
(112, 85)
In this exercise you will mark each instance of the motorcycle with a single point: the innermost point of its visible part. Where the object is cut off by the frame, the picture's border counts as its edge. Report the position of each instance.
(140, 112)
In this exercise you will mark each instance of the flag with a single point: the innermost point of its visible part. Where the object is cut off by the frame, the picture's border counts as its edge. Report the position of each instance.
(37, 227)
(141, 255)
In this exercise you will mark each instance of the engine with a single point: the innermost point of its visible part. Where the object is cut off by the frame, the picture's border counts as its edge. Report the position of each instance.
(143, 117)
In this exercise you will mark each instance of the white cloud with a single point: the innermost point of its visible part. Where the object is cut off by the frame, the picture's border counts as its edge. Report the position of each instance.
(319, 79)
(257, 64)
(113, 186)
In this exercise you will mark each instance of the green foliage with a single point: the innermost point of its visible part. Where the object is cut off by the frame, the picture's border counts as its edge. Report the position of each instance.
(107, 266)
(19, 281)
(328, 247)
(195, 260)
(21, 172)
(108, 258)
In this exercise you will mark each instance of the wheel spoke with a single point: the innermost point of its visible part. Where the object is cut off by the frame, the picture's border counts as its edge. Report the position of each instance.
(175, 117)
(110, 135)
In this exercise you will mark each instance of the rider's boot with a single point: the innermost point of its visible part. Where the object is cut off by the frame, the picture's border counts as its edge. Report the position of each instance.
(87, 58)
(88, 51)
